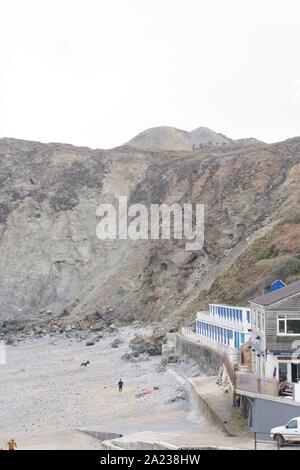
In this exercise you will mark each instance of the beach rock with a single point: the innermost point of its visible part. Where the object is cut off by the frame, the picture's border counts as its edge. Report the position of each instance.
(116, 342)
(151, 345)
(179, 394)
(130, 357)
(10, 341)
(112, 328)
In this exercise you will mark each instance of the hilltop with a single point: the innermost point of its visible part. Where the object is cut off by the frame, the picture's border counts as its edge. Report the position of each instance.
(171, 138)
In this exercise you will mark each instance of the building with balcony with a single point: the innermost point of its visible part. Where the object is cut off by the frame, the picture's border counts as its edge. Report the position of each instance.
(224, 328)
(275, 336)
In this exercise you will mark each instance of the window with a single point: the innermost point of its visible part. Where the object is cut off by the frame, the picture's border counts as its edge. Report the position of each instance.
(258, 320)
(281, 326)
(248, 316)
(288, 326)
(293, 424)
(293, 327)
(262, 322)
(282, 371)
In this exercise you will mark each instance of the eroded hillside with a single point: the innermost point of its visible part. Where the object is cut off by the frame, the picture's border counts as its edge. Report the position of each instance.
(55, 270)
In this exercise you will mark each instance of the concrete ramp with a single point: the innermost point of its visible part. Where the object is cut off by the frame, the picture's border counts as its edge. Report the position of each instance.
(100, 434)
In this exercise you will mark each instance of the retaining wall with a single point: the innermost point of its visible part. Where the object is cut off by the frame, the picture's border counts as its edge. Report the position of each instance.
(209, 361)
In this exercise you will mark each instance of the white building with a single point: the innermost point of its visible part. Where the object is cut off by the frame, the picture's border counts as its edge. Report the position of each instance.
(224, 327)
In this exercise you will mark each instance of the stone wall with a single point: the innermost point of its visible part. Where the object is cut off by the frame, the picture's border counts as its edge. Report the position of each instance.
(209, 361)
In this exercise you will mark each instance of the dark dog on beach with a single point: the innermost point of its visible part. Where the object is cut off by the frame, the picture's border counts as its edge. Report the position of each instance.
(85, 363)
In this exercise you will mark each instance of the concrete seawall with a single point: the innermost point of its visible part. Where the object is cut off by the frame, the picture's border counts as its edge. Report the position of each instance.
(209, 361)
(201, 405)
(216, 406)
(207, 398)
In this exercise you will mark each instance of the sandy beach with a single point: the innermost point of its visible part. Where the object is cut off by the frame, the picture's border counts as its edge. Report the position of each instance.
(45, 395)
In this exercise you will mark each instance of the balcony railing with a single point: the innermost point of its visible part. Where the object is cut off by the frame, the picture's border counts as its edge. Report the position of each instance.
(220, 321)
(248, 381)
(253, 383)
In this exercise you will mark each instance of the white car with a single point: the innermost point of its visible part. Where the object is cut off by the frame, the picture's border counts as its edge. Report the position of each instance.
(288, 433)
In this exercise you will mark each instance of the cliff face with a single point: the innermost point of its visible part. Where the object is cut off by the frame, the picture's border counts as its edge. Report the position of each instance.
(53, 266)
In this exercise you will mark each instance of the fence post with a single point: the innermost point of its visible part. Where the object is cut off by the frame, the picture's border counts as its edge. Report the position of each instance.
(255, 441)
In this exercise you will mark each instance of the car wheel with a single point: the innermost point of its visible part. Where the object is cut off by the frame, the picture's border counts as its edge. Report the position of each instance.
(279, 440)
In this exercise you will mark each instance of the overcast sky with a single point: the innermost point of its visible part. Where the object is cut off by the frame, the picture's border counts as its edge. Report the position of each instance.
(97, 72)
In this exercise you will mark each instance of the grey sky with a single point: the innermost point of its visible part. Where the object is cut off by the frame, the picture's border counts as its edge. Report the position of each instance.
(96, 72)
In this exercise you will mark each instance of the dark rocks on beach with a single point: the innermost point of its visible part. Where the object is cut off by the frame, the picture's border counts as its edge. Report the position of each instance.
(10, 341)
(116, 343)
(112, 328)
(178, 395)
(130, 357)
(151, 345)
(170, 359)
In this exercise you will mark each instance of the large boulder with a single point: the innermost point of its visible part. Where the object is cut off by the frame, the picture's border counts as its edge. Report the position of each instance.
(151, 345)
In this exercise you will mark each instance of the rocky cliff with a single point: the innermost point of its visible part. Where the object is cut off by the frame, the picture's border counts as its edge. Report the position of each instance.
(54, 269)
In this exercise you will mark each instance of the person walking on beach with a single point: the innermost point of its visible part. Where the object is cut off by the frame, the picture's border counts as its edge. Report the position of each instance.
(12, 445)
(120, 385)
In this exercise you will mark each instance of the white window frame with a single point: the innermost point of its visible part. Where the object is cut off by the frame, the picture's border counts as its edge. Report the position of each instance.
(258, 320)
(263, 322)
(285, 318)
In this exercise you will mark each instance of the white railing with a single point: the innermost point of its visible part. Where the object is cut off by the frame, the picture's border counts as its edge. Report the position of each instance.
(225, 322)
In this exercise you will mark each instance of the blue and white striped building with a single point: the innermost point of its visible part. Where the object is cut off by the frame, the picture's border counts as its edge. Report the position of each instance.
(225, 325)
